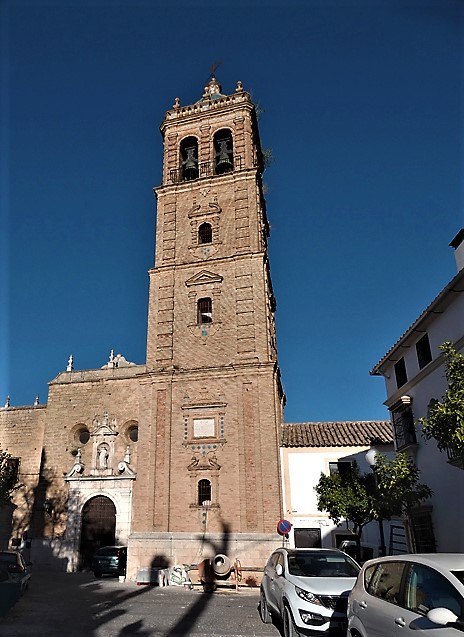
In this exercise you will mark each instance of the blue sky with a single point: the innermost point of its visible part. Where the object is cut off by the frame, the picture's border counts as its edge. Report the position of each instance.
(362, 107)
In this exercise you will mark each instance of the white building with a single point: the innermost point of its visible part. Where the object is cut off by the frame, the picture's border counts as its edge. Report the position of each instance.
(414, 375)
(311, 448)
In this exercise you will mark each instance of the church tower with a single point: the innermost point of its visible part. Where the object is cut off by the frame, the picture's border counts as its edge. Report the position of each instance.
(211, 400)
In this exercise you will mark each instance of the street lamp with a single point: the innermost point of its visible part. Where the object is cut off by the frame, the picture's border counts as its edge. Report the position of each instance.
(371, 456)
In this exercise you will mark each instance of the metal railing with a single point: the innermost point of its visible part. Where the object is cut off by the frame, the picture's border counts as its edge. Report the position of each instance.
(204, 169)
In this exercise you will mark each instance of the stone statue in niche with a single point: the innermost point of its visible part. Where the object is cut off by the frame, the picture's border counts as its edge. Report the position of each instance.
(103, 456)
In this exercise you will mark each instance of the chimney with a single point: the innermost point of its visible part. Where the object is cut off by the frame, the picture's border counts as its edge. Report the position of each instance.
(458, 244)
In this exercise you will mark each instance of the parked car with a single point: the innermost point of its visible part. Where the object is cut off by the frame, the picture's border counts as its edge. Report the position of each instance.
(406, 594)
(308, 590)
(110, 560)
(368, 551)
(13, 569)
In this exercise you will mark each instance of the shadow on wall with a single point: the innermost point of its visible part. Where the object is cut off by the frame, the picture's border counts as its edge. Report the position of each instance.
(186, 623)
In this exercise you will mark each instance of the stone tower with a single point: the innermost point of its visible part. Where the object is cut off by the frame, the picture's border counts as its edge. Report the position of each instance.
(211, 400)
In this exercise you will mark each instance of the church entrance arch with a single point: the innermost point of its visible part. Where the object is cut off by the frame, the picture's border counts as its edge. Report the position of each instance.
(97, 529)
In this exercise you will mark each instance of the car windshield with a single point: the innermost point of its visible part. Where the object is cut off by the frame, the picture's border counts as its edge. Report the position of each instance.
(459, 575)
(322, 565)
(112, 551)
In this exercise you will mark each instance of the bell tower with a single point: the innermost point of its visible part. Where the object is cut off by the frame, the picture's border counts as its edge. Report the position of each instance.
(212, 398)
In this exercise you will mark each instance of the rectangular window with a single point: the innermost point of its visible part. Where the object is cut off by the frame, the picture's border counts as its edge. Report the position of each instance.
(307, 538)
(424, 355)
(204, 493)
(403, 427)
(400, 373)
(343, 468)
(203, 428)
(422, 530)
(204, 311)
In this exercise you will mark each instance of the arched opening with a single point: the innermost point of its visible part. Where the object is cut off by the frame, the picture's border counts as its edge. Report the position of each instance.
(98, 528)
(204, 493)
(224, 152)
(189, 158)
(205, 311)
(205, 233)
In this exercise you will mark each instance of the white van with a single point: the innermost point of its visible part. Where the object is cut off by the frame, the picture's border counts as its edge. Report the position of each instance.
(368, 551)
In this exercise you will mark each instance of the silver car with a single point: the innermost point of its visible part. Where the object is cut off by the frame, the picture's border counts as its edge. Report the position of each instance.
(308, 590)
(406, 594)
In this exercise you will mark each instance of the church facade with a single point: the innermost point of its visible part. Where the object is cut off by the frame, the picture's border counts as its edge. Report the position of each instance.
(177, 458)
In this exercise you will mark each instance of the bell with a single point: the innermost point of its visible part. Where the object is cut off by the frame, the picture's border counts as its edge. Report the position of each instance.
(223, 163)
(190, 165)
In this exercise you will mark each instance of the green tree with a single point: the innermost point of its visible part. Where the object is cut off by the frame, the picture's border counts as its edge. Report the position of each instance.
(445, 422)
(398, 487)
(8, 478)
(390, 490)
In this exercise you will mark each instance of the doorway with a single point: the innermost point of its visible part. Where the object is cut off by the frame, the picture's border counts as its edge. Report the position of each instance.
(98, 528)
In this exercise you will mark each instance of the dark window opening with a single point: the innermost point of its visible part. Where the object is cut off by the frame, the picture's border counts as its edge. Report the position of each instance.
(204, 492)
(84, 436)
(404, 429)
(307, 538)
(205, 311)
(205, 233)
(224, 156)
(400, 373)
(12, 465)
(343, 468)
(424, 355)
(134, 434)
(422, 531)
(189, 158)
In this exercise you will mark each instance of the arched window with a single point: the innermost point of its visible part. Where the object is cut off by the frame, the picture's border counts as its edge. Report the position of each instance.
(189, 158)
(204, 492)
(224, 152)
(205, 233)
(204, 311)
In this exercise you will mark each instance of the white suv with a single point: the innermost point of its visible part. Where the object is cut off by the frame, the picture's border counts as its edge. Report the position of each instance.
(409, 595)
(308, 590)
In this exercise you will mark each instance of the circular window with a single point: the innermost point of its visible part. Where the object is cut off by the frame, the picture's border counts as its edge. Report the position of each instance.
(133, 434)
(84, 436)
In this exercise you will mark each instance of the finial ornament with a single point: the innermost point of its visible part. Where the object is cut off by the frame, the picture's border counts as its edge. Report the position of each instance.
(7, 401)
(176, 103)
(70, 365)
(36, 401)
(239, 88)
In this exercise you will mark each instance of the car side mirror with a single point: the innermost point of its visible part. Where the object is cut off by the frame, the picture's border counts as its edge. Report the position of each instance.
(443, 617)
(279, 569)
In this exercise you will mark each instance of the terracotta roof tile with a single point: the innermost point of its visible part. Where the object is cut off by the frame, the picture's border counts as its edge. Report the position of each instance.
(336, 434)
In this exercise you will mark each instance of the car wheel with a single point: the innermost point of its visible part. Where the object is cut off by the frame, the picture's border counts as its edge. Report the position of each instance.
(290, 630)
(264, 611)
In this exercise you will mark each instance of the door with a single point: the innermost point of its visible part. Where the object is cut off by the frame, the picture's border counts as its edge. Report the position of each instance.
(98, 528)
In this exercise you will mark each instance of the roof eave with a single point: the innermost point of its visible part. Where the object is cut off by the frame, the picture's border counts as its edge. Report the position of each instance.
(449, 289)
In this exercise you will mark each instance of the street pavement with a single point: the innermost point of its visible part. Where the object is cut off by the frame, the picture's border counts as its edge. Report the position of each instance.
(78, 605)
